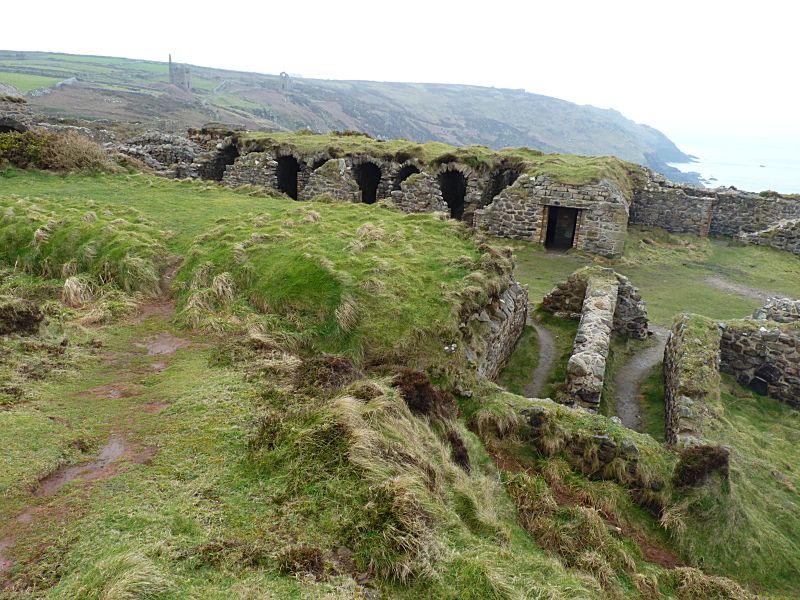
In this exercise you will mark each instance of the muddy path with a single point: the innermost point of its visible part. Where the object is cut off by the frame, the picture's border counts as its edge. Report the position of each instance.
(118, 452)
(547, 355)
(740, 289)
(629, 377)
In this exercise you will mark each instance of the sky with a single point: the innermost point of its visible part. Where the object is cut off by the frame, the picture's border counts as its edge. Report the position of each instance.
(701, 68)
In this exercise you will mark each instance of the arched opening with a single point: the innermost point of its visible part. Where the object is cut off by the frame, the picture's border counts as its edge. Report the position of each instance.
(286, 175)
(404, 173)
(498, 181)
(454, 191)
(216, 168)
(318, 163)
(368, 176)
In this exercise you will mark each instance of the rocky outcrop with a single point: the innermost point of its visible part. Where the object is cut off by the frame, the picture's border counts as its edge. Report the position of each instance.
(764, 356)
(691, 378)
(14, 115)
(169, 155)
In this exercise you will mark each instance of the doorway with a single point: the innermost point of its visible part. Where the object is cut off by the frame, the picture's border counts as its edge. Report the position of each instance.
(561, 225)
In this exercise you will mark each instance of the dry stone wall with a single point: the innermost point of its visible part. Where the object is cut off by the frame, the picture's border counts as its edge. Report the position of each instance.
(780, 310)
(519, 212)
(674, 207)
(256, 168)
(501, 323)
(691, 378)
(334, 179)
(587, 365)
(764, 356)
(783, 235)
(566, 299)
(419, 193)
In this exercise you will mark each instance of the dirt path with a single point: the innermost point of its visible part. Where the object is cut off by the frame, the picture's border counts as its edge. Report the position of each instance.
(118, 450)
(547, 355)
(739, 289)
(629, 377)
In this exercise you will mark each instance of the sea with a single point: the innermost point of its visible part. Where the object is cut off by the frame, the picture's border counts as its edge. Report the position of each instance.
(753, 163)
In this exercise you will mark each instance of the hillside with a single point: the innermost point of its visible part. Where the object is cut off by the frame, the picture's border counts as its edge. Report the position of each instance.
(140, 93)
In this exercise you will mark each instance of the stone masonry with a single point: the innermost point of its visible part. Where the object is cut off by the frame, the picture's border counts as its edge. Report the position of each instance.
(780, 310)
(783, 235)
(587, 365)
(764, 356)
(520, 212)
(691, 378)
(419, 193)
(333, 179)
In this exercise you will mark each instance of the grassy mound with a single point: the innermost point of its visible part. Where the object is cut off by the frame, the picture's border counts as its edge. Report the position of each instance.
(81, 243)
(362, 281)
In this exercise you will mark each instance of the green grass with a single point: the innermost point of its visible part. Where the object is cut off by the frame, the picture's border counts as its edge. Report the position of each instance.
(25, 82)
(652, 405)
(520, 367)
(563, 331)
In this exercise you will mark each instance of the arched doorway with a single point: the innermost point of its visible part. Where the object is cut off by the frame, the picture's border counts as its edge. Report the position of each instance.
(498, 181)
(404, 173)
(368, 176)
(454, 191)
(216, 168)
(286, 175)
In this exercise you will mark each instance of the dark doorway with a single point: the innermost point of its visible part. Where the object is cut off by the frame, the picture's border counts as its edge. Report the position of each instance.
(561, 224)
(454, 191)
(286, 175)
(499, 181)
(368, 176)
(403, 174)
(216, 169)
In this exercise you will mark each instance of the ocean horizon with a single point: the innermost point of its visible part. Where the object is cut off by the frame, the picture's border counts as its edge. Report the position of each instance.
(747, 163)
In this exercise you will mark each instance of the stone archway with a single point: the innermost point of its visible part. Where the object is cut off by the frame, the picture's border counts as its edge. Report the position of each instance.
(368, 176)
(286, 175)
(404, 173)
(498, 181)
(454, 191)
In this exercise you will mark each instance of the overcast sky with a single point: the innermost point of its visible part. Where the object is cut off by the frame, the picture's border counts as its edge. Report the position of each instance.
(687, 68)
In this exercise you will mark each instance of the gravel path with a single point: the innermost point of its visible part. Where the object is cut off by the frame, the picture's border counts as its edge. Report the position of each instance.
(738, 288)
(629, 378)
(547, 354)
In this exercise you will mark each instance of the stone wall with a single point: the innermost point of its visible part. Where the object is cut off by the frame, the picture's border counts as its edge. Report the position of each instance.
(419, 193)
(691, 378)
(334, 179)
(256, 168)
(764, 356)
(675, 207)
(14, 115)
(587, 365)
(783, 235)
(520, 212)
(780, 310)
(566, 299)
(499, 325)
(681, 208)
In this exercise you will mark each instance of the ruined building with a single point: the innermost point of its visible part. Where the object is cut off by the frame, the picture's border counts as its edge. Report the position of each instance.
(179, 75)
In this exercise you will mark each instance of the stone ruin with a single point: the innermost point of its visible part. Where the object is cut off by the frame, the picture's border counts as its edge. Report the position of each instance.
(606, 303)
(762, 353)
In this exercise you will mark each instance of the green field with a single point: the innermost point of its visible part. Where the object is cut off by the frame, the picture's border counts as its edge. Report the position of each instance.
(25, 83)
(271, 445)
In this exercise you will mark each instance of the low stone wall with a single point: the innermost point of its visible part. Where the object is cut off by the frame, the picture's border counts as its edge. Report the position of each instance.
(737, 212)
(780, 310)
(501, 323)
(419, 193)
(587, 365)
(565, 300)
(256, 168)
(764, 356)
(520, 212)
(691, 378)
(334, 179)
(783, 235)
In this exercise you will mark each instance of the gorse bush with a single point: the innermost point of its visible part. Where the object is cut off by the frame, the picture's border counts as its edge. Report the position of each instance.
(63, 152)
(64, 240)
